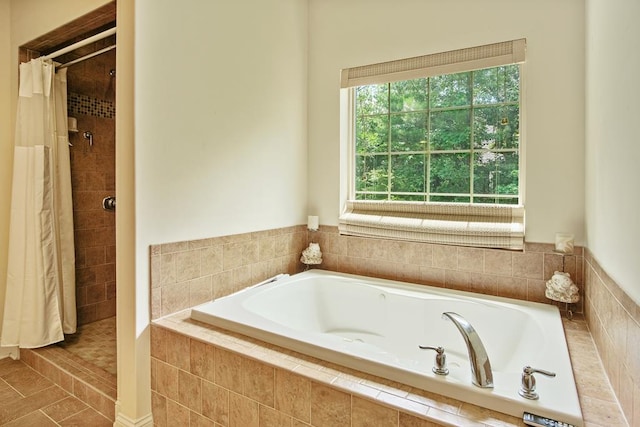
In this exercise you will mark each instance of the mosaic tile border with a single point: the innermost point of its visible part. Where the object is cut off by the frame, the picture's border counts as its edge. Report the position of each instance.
(83, 104)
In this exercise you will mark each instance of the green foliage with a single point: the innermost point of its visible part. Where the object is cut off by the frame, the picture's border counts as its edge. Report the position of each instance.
(442, 138)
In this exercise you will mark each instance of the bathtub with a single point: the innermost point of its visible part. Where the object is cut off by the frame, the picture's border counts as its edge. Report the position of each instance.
(376, 326)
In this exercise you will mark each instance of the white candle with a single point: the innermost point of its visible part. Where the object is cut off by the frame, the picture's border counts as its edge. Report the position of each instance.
(564, 243)
(312, 222)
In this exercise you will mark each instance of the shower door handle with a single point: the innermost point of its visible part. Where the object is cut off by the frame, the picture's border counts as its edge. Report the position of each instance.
(109, 203)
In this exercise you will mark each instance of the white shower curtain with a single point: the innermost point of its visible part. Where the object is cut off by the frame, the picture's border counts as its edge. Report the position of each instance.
(40, 296)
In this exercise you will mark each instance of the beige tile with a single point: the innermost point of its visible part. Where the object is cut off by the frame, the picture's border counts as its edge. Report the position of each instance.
(88, 417)
(459, 280)
(189, 389)
(269, 417)
(174, 298)
(33, 419)
(211, 260)
(329, 407)
(64, 408)
(200, 290)
(432, 276)
(177, 415)
(178, 348)
(258, 381)
(26, 381)
(536, 291)
(498, 262)
(197, 420)
(159, 409)
(267, 248)
(512, 287)
(528, 265)
(159, 342)
(293, 395)
(445, 256)
(10, 411)
(202, 360)
(187, 265)
(365, 413)
(406, 420)
(488, 417)
(602, 413)
(228, 369)
(243, 411)
(167, 269)
(452, 419)
(471, 259)
(166, 380)
(215, 403)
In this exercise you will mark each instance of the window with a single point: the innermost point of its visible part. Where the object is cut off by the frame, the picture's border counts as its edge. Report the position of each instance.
(435, 148)
(447, 138)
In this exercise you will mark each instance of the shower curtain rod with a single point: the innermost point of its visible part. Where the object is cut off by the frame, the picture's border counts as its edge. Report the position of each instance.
(82, 58)
(81, 43)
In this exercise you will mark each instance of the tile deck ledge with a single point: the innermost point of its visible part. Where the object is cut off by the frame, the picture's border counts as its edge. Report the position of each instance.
(598, 402)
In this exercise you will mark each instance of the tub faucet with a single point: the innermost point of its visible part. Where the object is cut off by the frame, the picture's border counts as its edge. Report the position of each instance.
(481, 374)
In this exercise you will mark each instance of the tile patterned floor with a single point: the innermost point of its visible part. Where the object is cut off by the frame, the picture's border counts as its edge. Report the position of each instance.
(29, 399)
(95, 342)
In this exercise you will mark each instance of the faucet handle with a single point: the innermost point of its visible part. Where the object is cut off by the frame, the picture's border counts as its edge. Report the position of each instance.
(440, 364)
(528, 384)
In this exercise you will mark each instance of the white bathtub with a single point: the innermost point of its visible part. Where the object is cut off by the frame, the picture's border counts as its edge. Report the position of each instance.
(375, 326)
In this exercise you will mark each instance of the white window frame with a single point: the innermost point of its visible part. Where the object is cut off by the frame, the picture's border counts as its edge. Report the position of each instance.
(476, 225)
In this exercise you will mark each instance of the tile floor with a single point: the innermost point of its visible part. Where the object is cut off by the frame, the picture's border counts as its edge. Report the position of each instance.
(29, 399)
(95, 342)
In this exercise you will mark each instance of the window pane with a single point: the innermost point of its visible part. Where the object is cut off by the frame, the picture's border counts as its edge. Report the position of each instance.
(366, 196)
(409, 132)
(372, 99)
(450, 90)
(496, 85)
(496, 127)
(495, 173)
(407, 173)
(372, 173)
(450, 130)
(451, 199)
(496, 200)
(450, 173)
(408, 95)
(372, 134)
(408, 197)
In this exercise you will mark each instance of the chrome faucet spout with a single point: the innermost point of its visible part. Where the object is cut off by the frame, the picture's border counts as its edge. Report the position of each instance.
(481, 373)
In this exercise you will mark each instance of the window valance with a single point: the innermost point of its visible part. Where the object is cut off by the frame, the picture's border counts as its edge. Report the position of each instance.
(454, 61)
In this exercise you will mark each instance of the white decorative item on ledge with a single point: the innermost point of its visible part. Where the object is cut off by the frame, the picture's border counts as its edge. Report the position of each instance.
(564, 243)
(312, 223)
(561, 288)
(311, 255)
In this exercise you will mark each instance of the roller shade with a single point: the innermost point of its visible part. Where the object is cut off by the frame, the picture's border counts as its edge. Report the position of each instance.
(455, 61)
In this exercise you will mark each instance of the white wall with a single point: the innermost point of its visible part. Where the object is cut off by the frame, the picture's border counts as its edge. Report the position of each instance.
(359, 32)
(220, 119)
(613, 144)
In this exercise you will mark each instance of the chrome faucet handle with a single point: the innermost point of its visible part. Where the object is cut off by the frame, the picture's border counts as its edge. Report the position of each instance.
(440, 364)
(528, 385)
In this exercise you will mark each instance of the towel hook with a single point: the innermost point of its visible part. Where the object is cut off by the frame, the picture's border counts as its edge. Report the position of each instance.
(88, 135)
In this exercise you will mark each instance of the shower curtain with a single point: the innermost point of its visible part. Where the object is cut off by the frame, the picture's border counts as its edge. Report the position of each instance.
(40, 296)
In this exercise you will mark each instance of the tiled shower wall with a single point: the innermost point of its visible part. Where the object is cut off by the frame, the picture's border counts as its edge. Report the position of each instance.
(91, 94)
(614, 322)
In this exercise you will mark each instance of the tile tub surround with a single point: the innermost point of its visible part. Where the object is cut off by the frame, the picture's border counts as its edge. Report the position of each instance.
(513, 274)
(614, 321)
(208, 376)
(186, 274)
